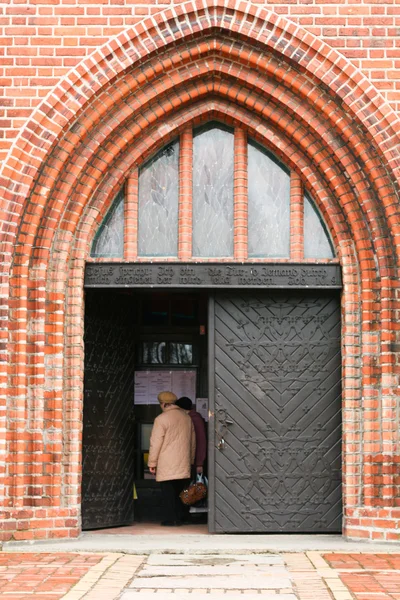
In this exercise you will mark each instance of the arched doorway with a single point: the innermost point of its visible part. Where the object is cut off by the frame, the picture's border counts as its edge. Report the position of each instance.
(270, 373)
(296, 98)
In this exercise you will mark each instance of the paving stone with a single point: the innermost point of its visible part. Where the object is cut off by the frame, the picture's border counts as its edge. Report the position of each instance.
(262, 581)
(214, 595)
(248, 570)
(290, 576)
(214, 559)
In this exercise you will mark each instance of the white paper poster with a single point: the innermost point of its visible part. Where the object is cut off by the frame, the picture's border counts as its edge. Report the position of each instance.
(202, 407)
(184, 384)
(159, 381)
(148, 384)
(142, 387)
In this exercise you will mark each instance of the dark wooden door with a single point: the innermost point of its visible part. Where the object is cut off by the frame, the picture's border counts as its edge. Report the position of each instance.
(276, 381)
(108, 450)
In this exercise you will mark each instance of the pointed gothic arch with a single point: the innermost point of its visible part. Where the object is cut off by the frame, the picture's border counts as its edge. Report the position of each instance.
(295, 96)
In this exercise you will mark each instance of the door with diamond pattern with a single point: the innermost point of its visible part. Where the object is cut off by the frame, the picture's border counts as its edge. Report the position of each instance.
(108, 426)
(275, 394)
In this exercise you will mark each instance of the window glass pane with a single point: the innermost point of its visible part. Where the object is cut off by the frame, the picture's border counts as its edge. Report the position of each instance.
(180, 354)
(154, 353)
(184, 310)
(269, 206)
(156, 309)
(158, 204)
(213, 193)
(145, 433)
(316, 239)
(109, 240)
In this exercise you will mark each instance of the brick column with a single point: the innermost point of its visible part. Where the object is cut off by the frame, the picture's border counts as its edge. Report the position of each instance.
(240, 195)
(131, 216)
(185, 214)
(296, 217)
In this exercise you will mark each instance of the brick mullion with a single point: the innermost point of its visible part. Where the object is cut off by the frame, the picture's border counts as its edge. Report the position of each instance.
(185, 207)
(296, 217)
(131, 216)
(240, 194)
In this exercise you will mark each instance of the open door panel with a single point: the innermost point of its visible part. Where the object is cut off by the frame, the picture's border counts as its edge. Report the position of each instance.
(108, 430)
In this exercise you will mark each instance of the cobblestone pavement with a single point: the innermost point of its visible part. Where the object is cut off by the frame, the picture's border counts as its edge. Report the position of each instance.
(280, 576)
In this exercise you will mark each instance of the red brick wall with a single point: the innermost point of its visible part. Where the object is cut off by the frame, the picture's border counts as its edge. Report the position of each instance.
(318, 86)
(41, 41)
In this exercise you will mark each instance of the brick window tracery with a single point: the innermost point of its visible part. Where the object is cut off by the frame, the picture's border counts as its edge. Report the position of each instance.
(213, 194)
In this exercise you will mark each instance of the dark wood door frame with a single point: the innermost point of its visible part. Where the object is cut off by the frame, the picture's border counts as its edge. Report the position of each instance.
(211, 412)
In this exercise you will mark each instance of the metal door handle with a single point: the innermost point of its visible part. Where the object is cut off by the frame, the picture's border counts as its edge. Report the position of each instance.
(222, 424)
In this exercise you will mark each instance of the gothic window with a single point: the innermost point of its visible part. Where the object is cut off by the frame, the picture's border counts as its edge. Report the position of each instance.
(268, 206)
(109, 240)
(213, 194)
(158, 204)
(317, 243)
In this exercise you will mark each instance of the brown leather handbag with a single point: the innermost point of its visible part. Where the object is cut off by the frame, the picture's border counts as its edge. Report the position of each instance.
(196, 491)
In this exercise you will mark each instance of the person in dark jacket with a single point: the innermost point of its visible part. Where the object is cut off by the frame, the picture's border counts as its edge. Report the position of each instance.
(200, 431)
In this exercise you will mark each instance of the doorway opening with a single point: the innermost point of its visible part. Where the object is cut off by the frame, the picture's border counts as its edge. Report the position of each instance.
(137, 344)
(264, 364)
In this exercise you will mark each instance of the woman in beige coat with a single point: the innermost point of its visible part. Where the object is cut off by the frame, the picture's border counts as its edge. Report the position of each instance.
(171, 454)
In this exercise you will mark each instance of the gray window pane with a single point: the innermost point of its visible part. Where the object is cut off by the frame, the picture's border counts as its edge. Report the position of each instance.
(109, 240)
(154, 353)
(145, 433)
(213, 193)
(269, 206)
(180, 354)
(158, 204)
(316, 240)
